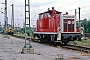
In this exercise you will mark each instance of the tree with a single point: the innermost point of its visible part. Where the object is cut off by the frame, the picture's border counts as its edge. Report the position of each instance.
(86, 24)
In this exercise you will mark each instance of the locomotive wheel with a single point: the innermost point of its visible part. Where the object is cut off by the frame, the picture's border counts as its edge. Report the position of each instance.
(79, 39)
(64, 42)
(42, 40)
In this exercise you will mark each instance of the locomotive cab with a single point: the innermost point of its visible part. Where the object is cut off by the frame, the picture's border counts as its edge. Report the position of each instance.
(49, 13)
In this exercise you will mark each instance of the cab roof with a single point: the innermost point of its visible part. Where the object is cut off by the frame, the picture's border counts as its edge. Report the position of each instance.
(57, 12)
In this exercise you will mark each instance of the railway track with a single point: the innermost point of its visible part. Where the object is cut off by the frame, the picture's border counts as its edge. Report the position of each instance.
(78, 48)
(87, 35)
(22, 37)
(71, 47)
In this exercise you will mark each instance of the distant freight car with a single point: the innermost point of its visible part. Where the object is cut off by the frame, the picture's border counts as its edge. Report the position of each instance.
(53, 27)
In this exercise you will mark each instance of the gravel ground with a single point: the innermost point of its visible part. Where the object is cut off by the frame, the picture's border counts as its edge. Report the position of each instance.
(10, 49)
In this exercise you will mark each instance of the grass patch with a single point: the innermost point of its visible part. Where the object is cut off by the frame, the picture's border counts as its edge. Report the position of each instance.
(20, 34)
(84, 41)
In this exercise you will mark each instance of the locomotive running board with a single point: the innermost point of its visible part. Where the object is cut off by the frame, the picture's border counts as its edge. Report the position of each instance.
(45, 33)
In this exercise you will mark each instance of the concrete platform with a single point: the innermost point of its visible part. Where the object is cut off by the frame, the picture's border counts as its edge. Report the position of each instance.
(10, 49)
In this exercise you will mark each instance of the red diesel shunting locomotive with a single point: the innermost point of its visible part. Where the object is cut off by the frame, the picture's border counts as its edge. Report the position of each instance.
(53, 27)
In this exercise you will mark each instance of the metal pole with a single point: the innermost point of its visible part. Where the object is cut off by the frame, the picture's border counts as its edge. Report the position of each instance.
(75, 21)
(27, 48)
(25, 26)
(6, 14)
(29, 12)
(79, 16)
(6, 20)
(12, 20)
(29, 23)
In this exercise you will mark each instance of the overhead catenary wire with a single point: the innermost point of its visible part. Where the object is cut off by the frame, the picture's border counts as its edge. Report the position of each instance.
(70, 4)
(83, 13)
(59, 7)
(24, 9)
(70, 10)
(77, 8)
(66, 5)
(85, 16)
(19, 7)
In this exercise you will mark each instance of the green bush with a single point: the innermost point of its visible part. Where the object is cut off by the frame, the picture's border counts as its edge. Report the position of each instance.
(29, 33)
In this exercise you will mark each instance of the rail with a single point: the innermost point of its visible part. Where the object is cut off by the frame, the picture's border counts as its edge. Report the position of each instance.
(72, 47)
(78, 48)
(87, 35)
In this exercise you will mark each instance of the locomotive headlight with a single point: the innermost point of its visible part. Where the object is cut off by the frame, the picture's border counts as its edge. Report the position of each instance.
(72, 22)
(69, 22)
(59, 33)
(81, 28)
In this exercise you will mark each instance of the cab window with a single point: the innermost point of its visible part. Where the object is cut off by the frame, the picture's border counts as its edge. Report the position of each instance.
(40, 16)
(47, 15)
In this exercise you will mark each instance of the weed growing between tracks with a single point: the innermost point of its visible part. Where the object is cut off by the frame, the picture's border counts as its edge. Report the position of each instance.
(84, 42)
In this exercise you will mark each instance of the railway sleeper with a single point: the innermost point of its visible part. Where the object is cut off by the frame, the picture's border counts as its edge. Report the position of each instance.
(87, 51)
(73, 48)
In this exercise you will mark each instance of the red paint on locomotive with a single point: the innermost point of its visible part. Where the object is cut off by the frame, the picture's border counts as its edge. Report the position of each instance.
(54, 27)
(48, 24)
(49, 21)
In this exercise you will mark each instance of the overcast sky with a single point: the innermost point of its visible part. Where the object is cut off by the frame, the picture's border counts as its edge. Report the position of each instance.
(38, 6)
